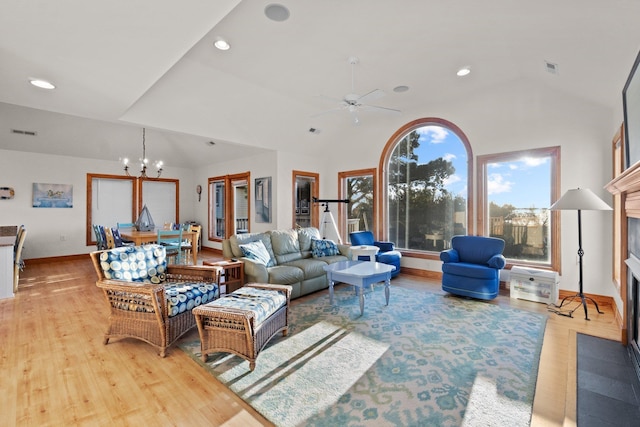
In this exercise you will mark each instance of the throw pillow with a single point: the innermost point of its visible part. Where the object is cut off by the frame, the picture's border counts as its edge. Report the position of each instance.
(320, 248)
(257, 251)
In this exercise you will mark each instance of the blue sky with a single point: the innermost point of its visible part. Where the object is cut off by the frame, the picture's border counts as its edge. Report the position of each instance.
(524, 183)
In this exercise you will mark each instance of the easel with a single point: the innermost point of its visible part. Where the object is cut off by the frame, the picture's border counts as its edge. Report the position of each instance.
(327, 218)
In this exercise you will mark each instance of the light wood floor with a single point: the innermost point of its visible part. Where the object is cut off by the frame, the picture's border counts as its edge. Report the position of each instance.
(54, 369)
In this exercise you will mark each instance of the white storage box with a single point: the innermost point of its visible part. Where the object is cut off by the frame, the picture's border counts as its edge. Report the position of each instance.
(533, 284)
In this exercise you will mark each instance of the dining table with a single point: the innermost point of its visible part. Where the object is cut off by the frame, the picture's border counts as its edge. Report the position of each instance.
(142, 237)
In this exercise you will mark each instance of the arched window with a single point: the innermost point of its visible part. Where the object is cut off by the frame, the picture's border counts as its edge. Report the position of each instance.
(425, 175)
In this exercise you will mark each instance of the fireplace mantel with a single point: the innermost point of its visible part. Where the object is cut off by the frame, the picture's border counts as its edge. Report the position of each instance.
(628, 184)
(628, 181)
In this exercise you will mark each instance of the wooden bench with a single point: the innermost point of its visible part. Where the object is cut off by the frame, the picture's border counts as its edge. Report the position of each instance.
(243, 321)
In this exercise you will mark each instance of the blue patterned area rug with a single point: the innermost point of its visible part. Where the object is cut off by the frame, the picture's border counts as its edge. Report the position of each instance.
(427, 359)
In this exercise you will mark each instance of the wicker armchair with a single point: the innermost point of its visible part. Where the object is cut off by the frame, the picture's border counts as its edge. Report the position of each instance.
(155, 310)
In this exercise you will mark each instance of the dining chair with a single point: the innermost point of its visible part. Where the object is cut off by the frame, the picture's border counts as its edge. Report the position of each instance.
(101, 241)
(118, 240)
(109, 240)
(172, 241)
(198, 230)
(18, 262)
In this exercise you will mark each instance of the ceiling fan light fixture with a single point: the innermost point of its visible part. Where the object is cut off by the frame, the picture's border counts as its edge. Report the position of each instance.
(463, 71)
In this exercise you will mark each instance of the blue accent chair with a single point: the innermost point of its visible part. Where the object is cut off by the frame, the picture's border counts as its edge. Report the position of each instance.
(387, 253)
(471, 268)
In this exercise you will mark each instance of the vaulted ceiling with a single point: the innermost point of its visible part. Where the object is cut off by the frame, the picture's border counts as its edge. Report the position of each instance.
(152, 63)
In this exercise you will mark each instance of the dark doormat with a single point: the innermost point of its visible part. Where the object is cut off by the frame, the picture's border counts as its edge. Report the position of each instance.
(608, 386)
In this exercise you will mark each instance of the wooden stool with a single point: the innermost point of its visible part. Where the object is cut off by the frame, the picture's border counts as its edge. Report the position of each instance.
(243, 321)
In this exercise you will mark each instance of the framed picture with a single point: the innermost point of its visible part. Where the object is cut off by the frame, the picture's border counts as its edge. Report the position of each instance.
(263, 199)
(52, 195)
(631, 105)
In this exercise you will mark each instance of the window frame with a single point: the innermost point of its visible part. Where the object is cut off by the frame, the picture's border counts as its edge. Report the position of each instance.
(381, 223)
(230, 182)
(342, 208)
(483, 204)
(315, 193)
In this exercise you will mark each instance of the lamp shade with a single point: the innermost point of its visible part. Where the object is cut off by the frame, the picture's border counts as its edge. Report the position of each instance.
(580, 199)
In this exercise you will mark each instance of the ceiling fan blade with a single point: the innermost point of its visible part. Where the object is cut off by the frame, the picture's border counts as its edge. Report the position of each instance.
(371, 96)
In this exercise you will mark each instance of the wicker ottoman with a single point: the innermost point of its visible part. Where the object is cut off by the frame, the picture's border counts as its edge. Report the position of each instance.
(243, 321)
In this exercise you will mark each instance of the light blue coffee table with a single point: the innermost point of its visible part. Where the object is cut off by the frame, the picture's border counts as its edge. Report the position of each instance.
(359, 274)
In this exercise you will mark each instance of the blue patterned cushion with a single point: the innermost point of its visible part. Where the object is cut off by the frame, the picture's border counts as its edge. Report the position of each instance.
(257, 251)
(320, 248)
(184, 296)
(145, 264)
(262, 302)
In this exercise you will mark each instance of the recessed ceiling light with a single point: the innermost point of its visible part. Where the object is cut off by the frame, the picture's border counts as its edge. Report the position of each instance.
(400, 89)
(222, 44)
(463, 71)
(276, 12)
(42, 84)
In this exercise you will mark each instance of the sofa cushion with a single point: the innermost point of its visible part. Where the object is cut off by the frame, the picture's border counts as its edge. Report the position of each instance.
(262, 302)
(476, 271)
(285, 245)
(310, 267)
(144, 264)
(304, 237)
(322, 247)
(285, 275)
(257, 252)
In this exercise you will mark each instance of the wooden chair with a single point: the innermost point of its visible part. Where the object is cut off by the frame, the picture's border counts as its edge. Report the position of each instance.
(101, 244)
(18, 263)
(172, 241)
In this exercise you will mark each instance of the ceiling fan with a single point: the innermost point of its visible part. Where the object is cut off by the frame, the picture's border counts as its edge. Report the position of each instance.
(353, 103)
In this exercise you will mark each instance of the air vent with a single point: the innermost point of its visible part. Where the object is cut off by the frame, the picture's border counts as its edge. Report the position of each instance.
(551, 67)
(24, 132)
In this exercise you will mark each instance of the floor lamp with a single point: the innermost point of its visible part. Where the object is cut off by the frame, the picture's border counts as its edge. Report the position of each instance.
(579, 199)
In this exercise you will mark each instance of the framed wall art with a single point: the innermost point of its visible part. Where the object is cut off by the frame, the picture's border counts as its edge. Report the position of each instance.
(52, 195)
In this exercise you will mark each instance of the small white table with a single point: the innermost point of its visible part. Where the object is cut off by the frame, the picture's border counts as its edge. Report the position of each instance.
(364, 250)
(359, 274)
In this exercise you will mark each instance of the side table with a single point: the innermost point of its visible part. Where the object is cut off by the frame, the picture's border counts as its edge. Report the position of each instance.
(232, 275)
(365, 251)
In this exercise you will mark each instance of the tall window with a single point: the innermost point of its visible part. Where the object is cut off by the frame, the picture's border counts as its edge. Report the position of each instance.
(516, 190)
(426, 173)
(359, 188)
(229, 205)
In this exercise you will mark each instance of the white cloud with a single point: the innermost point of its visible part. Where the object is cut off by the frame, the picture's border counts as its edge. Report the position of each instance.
(449, 156)
(496, 184)
(433, 134)
(452, 180)
(535, 161)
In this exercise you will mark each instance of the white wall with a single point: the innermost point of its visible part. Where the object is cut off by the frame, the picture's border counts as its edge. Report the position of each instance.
(45, 227)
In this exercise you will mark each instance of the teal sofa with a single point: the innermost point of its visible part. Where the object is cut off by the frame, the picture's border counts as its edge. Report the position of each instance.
(295, 257)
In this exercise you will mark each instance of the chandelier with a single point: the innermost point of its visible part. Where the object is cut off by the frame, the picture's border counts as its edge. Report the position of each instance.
(143, 161)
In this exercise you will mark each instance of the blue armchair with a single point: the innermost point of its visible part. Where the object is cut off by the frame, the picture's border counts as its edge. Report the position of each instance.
(387, 253)
(472, 266)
